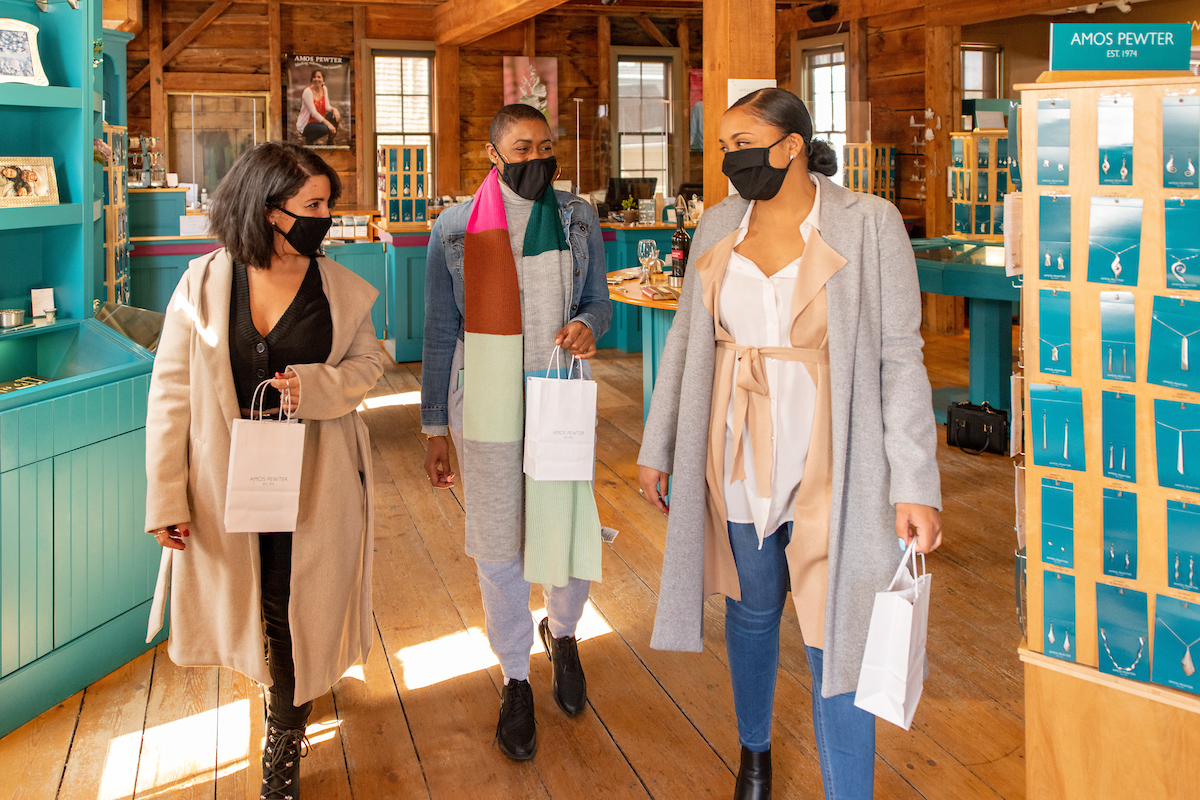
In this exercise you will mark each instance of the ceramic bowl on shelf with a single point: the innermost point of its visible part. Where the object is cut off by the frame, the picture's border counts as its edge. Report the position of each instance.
(12, 317)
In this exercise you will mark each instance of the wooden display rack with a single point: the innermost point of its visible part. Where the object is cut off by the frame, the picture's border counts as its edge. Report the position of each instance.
(870, 168)
(1091, 734)
(978, 183)
(405, 184)
(116, 215)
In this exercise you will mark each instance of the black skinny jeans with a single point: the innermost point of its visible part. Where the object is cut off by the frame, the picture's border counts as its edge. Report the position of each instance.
(275, 553)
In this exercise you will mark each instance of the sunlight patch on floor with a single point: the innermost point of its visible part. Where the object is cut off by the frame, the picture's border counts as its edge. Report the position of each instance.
(398, 399)
(465, 652)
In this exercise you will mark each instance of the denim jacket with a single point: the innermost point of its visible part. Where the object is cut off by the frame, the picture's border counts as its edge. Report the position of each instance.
(444, 296)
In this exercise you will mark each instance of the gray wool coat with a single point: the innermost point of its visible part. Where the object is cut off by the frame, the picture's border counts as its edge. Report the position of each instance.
(884, 438)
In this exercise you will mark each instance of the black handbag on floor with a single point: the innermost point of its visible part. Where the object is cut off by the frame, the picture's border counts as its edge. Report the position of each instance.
(977, 429)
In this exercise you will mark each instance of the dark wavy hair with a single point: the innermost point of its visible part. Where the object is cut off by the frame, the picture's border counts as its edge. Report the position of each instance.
(781, 109)
(265, 176)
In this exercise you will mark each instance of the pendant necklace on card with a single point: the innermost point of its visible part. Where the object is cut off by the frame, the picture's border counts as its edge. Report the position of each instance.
(1178, 267)
(1054, 348)
(1116, 262)
(1189, 668)
(1183, 346)
(1181, 432)
(1136, 661)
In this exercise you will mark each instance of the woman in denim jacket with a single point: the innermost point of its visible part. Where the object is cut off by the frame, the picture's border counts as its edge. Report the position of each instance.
(552, 293)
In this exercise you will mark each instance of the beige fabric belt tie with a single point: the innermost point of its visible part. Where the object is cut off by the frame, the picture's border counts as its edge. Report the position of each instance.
(752, 406)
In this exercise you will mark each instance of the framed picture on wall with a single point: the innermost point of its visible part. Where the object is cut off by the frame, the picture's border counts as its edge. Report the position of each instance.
(27, 181)
(534, 82)
(318, 101)
(19, 61)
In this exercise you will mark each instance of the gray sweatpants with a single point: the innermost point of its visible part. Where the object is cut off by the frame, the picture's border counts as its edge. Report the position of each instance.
(509, 621)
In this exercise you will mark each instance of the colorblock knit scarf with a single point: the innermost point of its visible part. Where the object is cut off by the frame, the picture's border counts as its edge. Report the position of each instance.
(512, 315)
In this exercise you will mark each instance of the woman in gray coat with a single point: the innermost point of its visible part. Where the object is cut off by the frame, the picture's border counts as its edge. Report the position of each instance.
(793, 409)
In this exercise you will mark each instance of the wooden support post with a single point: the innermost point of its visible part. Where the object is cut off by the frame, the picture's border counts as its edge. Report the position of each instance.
(942, 69)
(739, 42)
(274, 32)
(530, 49)
(603, 62)
(683, 34)
(158, 95)
(363, 141)
(858, 120)
(448, 133)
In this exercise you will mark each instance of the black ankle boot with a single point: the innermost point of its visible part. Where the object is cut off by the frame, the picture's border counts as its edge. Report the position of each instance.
(569, 686)
(281, 763)
(754, 777)
(516, 732)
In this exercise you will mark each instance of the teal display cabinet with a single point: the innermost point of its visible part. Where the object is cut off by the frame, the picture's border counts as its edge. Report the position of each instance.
(368, 260)
(156, 265)
(404, 274)
(620, 251)
(76, 569)
(156, 212)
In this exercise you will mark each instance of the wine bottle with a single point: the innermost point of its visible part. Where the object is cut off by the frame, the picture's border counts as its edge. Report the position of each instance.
(681, 244)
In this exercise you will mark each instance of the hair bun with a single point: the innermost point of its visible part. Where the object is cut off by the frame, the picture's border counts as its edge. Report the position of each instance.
(821, 158)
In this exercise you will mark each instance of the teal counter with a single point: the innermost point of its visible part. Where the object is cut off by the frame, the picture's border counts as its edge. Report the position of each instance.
(156, 212)
(405, 281)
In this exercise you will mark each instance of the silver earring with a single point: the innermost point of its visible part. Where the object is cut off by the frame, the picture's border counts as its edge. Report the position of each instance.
(1177, 567)
(1112, 553)
(1050, 635)
(1127, 561)
(1066, 642)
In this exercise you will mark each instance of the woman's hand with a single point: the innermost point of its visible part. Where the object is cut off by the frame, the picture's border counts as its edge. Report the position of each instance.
(437, 463)
(172, 536)
(927, 522)
(577, 339)
(654, 485)
(288, 382)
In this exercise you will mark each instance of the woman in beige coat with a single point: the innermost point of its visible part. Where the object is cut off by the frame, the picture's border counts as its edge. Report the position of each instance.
(266, 307)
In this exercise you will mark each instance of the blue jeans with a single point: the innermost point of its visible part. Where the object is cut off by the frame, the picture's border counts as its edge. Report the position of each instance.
(845, 734)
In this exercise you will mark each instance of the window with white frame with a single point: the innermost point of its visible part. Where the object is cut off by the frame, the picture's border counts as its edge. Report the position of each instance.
(644, 119)
(404, 99)
(824, 80)
(981, 71)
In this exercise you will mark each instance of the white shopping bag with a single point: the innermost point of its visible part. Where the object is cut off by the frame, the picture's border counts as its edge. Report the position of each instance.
(560, 427)
(262, 494)
(893, 666)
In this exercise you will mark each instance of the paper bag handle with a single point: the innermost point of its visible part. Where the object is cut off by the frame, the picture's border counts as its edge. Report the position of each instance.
(555, 364)
(910, 555)
(260, 398)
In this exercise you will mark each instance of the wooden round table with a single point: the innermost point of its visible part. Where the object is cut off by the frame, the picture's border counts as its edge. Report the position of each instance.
(656, 319)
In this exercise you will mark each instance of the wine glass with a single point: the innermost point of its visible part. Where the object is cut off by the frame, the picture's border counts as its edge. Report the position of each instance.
(647, 256)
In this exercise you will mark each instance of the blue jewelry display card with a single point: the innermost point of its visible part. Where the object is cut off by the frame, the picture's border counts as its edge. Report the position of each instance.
(393, 186)
(1058, 615)
(1114, 130)
(1054, 237)
(1119, 413)
(407, 155)
(1183, 545)
(1176, 632)
(1122, 626)
(1054, 330)
(956, 152)
(982, 185)
(421, 160)
(1118, 353)
(1181, 218)
(983, 220)
(1120, 534)
(1173, 325)
(984, 153)
(998, 218)
(1181, 141)
(1114, 240)
(1001, 184)
(962, 218)
(1057, 413)
(1177, 444)
(1054, 142)
(1014, 166)
(1058, 522)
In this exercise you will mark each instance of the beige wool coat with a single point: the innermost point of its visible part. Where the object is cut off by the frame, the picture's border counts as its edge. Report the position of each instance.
(215, 589)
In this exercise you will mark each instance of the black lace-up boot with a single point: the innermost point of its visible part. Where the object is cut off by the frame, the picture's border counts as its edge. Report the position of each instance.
(569, 686)
(516, 733)
(281, 763)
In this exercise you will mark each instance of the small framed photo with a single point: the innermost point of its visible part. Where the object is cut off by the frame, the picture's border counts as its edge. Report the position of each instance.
(19, 61)
(27, 181)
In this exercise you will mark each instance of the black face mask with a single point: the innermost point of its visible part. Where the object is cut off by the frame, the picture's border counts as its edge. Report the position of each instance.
(751, 172)
(531, 178)
(307, 233)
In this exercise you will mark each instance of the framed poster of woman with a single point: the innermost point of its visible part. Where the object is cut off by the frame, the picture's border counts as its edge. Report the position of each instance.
(318, 101)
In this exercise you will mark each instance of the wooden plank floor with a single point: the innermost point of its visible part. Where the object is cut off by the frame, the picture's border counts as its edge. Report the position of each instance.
(417, 720)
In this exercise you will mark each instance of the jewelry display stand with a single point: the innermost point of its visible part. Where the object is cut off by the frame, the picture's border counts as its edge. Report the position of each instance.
(979, 175)
(1117, 713)
(870, 168)
(404, 181)
(116, 216)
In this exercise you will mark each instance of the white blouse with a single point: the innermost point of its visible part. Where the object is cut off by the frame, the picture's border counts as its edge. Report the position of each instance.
(757, 312)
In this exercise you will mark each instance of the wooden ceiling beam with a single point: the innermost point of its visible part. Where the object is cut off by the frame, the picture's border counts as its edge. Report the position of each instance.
(797, 19)
(179, 42)
(654, 12)
(652, 29)
(949, 13)
(459, 22)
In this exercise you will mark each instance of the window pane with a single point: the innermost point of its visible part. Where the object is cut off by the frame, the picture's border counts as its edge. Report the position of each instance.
(823, 118)
(972, 68)
(631, 153)
(629, 79)
(630, 114)
(416, 76)
(388, 114)
(654, 79)
(654, 116)
(822, 81)
(416, 114)
(839, 77)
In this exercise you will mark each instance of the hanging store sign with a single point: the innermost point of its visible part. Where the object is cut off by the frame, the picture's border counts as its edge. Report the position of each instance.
(1120, 47)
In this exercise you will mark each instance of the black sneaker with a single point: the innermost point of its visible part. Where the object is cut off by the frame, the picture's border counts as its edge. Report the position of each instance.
(516, 732)
(569, 686)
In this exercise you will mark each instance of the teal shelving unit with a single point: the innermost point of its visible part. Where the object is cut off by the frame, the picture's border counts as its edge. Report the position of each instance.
(76, 569)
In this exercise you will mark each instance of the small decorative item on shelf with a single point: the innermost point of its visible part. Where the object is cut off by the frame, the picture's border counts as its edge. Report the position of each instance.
(27, 181)
(101, 152)
(22, 383)
(629, 210)
(19, 61)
